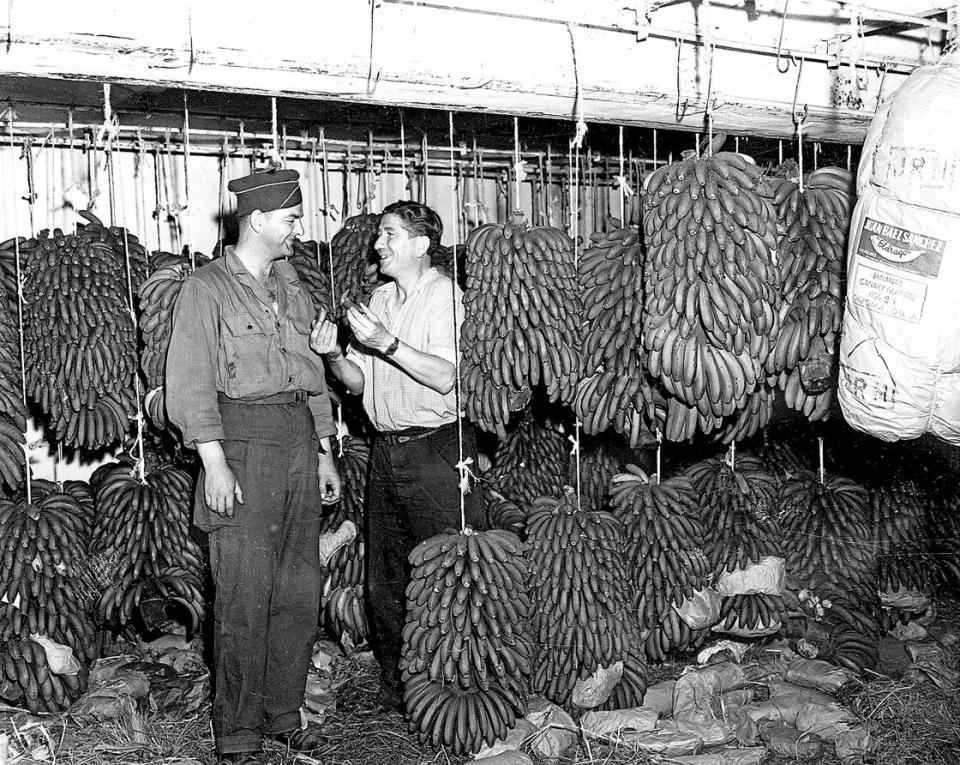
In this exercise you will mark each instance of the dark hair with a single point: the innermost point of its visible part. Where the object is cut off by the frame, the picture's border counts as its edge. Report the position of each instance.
(418, 219)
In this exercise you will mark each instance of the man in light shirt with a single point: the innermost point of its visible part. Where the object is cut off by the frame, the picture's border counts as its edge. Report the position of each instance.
(403, 363)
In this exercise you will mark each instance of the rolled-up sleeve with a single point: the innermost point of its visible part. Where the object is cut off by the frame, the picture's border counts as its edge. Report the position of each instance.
(191, 372)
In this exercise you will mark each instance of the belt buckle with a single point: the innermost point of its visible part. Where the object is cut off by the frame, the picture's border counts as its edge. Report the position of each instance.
(300, 396)
(403, 439)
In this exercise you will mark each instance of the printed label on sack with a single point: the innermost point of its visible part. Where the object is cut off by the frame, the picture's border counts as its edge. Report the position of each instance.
(906, 250)
(870, 390)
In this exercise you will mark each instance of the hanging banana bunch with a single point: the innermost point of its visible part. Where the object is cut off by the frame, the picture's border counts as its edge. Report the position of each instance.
(43, 548)
(356, 269)
(784, 457)
(749, 420)
(667, 564)
(521, 326)
(80, 340)
(311, 261)
(614, 389)
(826, 534)
(531, 461)
(813, 225)
(737, 510)
(145, 526)
(713, 300)
(466, 657)
(943, 531)
(898, 527)
(597, 469)
(13, 412)
(160, 259)
(158, 295)
(33, 683)
(579, 589)
(342, 591)
(506, 515)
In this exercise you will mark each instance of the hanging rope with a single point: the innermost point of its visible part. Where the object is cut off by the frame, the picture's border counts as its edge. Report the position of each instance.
(425, 152)
(463, 465)
(798, 120)
(709, 50)
(186, 182)
(108, 149)
(275, 153)
(220, 191)
(325, 190)
(578, 96)
(403, 160)
(820, 446)
(158, 210)
(573, 159)
(659, 447)
(16, 254)
(519, 171)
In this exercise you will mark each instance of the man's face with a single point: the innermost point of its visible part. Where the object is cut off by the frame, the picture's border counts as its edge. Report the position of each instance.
(281, 228)
(399, 250)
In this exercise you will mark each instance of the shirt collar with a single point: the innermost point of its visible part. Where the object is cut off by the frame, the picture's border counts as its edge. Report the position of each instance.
(425, 278)
(235, 266)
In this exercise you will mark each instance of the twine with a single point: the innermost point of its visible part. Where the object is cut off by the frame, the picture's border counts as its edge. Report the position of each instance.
(186, 181)
(463, 465)
(16, 253)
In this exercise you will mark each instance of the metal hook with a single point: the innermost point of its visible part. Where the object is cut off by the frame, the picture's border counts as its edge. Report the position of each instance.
(783, 23)
(796, 90)
(678, 113)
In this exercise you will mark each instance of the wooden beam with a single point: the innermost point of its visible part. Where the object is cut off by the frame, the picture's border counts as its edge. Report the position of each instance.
(430, 57)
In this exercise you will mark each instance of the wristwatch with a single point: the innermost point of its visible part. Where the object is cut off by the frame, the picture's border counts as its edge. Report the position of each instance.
(392, 348)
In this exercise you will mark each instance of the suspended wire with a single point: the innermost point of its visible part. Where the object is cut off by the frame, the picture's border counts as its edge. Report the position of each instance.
(108, 149)
(19, 272)
(463, 466)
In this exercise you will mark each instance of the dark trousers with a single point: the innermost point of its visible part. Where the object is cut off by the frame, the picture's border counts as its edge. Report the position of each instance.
(413, 495)
(265, 566)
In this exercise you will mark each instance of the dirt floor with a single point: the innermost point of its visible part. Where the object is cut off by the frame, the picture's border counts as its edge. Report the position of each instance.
(913, 721)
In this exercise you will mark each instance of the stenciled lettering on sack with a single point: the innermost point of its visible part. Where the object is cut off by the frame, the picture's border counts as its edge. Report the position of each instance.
(868, 389)
(904, 249)
(919, 168)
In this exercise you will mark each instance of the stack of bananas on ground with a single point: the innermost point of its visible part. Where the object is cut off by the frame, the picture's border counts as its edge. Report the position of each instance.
(898, 513)
(813, 223)
(713, 296)
(614, 389)
(157, 295)
(598, 466)
(522, 311)
(579, 590)
(738, 512)
(13, 411)
(43, 548)
(145, 526)
(31, 681)
(667, 564)
(830, 554)
(532, 460)
(466, 657)
(342, 592)
(79, 334)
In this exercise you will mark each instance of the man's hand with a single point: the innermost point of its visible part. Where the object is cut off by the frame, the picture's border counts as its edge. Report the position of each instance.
(323, 338)
(329, 478)
(368, 329)
(221, 490)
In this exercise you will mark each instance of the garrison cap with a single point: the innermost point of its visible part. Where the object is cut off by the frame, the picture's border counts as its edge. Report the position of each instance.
(266, 190)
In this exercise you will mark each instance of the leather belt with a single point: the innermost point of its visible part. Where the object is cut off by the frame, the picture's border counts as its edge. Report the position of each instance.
(290, 397)
(411, 434)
